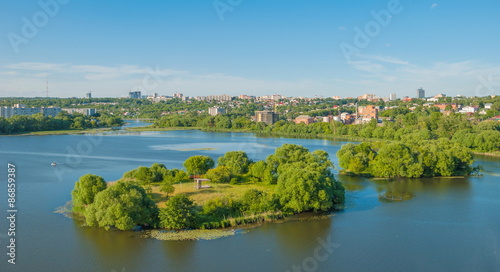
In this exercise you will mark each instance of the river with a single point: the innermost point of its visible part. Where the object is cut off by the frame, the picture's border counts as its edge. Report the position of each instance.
(443, 224)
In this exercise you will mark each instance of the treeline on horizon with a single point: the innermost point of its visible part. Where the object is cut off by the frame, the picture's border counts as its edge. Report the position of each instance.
(297, 181)
(422, 124)
(62, 121)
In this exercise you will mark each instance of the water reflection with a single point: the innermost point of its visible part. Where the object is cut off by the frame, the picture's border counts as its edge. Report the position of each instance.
(390, 190)
(302, 236)
(179, 253)
(112, 248)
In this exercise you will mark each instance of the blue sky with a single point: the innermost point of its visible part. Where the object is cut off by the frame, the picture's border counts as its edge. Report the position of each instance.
(254, 47)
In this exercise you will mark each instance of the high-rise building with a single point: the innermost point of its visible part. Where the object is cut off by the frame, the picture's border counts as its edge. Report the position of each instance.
(420, 93)
(267, 117)
(135, 95)
(88, 95)
(393, 97)
(216, 111)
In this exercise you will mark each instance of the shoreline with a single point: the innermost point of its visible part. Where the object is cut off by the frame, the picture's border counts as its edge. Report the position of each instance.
(59, 132)
(300, 136)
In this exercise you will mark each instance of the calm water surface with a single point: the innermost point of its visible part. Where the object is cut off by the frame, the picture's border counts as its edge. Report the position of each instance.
(443, 224)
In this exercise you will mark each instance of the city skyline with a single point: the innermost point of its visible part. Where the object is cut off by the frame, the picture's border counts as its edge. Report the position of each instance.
(256, 48)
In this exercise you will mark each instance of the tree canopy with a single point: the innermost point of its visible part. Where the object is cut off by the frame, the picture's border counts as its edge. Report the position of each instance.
(198, 165)
(123, 205)
(86, 188)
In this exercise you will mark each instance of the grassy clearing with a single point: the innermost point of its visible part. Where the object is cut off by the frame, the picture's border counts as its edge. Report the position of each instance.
(200, 197)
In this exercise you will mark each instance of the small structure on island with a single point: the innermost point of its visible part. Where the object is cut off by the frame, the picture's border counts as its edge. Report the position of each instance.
(198, 183)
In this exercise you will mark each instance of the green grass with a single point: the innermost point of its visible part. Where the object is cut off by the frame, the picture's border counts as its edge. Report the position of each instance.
(201, 196)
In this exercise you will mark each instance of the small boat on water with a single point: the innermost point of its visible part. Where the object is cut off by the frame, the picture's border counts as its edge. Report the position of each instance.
(54, 164)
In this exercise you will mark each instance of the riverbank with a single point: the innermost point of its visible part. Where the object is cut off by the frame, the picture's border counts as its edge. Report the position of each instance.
(61, 132)
(287, 135)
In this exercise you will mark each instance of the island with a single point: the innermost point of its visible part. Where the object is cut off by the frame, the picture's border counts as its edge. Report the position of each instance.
(236, 192)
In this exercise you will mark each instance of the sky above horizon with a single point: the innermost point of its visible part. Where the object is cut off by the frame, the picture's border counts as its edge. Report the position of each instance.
(293, 48)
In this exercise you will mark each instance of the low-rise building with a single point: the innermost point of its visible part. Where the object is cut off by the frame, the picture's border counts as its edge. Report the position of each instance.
(306, 119)
(367, 113)
(469, 109)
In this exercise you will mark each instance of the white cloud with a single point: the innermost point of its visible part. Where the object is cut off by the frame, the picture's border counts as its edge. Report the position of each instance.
(342, 28)
(435, 5)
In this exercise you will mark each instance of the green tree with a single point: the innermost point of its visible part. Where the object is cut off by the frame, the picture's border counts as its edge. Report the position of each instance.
(144, 175)
(301, 189)
(255, 201)
(179, 213)
(220, 174)
(396, 160)
(262, 171)
(86, 188)
(236, 161)
(167, 188)
(198, 165)
(123, 205)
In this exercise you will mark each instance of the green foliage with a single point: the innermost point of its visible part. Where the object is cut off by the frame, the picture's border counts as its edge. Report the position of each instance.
(179, 213)
(198, 165)
(123, 206)
(176, 176)
(301, 188)
(396, 160)
(86, 188)
(415, 158)
(220, 174)
(221, 208)
(263, 172)
(167, 188)
(255, 201)
(236, 161)
(40, 122)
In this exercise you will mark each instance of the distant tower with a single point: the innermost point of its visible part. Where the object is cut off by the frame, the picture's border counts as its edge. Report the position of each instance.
(47, 87)
(393, 97)
(88, 95)
(420, 93)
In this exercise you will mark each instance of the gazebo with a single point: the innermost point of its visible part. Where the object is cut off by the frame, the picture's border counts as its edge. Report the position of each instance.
(198, 181)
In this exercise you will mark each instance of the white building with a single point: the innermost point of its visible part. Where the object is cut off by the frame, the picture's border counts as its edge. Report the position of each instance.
(84, 111)
(468, 109)
(216, 111)
(20, 109)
